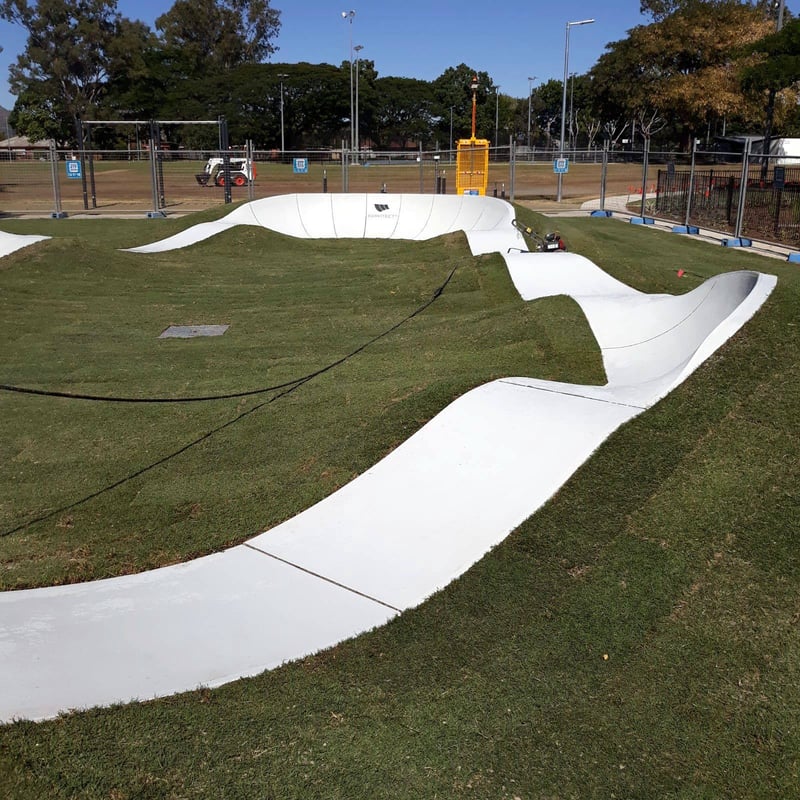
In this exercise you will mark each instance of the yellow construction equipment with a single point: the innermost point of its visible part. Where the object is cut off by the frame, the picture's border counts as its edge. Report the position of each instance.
(472, 158)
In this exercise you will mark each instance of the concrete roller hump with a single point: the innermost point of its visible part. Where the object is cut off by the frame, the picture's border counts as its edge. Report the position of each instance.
(403, 529)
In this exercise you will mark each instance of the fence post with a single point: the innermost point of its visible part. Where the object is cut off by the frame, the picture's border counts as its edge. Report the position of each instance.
(226, 158)
(81, 150)
(512, 167)
(421, 171)
(248, 154)
(57, 213)
(691, 182)
(778, 178)
(91, 165)
(742, 189)
(603, 176)
(156, 213)
(645, 160)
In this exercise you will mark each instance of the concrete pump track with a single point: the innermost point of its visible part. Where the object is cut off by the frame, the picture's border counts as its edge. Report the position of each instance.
(407, 526)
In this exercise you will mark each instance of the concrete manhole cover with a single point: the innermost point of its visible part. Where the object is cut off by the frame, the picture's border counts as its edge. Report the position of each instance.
(190, 331)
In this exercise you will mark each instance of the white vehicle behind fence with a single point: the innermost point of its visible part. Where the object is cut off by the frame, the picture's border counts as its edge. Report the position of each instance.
(242, 171)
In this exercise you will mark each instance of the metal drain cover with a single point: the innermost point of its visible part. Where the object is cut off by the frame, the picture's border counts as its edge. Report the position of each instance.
(190, 331)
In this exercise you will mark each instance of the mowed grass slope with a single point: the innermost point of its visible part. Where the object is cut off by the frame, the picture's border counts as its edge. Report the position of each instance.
(636, 638)
(78, 316)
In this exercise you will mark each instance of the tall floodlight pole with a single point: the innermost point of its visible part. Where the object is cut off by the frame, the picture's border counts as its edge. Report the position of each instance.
(474, 87)
(281, 76)
(496, 115)
(451, 131)
(572, 126)
(530, 94)
(349, 15)
(358, 48)
(564, 97)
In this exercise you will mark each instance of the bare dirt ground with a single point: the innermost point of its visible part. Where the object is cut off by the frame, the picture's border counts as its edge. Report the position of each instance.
(127, 187)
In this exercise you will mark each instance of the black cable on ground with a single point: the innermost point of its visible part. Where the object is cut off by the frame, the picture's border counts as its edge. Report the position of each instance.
(229, 396)
(287, 389)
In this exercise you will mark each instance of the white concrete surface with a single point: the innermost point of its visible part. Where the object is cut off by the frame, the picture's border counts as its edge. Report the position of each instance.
(11, 242)
(485, 220)
(402, 530)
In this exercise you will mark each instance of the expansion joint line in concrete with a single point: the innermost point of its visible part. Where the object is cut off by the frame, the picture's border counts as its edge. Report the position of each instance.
(322, 577)
(574, 394)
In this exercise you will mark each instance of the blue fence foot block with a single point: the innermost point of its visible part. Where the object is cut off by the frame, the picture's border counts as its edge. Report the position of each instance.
(693, 229)
(156, 215)
(794, 258)
(58, 215)
(680, 229)
(601, 213)
(737, 242)
(642, 221)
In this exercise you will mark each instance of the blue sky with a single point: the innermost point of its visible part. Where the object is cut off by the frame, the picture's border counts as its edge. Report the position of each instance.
(416, 39)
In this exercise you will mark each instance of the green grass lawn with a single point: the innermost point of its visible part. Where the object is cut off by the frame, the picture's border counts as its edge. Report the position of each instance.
(673, 551)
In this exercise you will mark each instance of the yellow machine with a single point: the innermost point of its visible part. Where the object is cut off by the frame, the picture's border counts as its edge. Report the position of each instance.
(472, 158)
(472, 166)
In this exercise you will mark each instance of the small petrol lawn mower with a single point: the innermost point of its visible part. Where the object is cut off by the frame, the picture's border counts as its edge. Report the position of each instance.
(549, 243)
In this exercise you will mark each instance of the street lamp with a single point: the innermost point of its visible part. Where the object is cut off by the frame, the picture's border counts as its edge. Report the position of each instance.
(564, 96)
(530, 94)
(350, 15)
(496, 116)
(281, 76)
(358, 48)
(572, 126)
(451, 133)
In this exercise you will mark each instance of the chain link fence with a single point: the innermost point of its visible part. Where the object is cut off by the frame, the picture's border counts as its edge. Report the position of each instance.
(744, 195)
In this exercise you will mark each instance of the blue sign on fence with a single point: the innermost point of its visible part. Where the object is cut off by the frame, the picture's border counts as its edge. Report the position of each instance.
(74, 169)
(560, 165)
(300, 165)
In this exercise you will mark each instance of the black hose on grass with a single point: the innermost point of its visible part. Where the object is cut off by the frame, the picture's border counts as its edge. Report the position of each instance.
(229, 396)
(286, 388)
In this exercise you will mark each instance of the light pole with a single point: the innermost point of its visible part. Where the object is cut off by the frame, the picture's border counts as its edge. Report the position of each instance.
(350, 15)
(496, 116)
(281, 76)
(564, 97)
(358, 48)
(451, 133)
(572, 138)
(530, 94)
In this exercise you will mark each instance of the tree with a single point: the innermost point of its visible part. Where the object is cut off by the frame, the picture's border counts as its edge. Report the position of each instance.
(72, 49)
(661, 9)
(776, 70)
(406, 113)
(214, 34)
(546, 109)
(452, 89)
(684, 66)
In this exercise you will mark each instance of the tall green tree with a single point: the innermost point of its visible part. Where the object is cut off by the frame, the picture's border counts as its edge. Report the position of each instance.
(546, 112)
(406, 112)
(774, 78)
(684, 66)
(452, 89)
(220, 34)
(73, 47)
